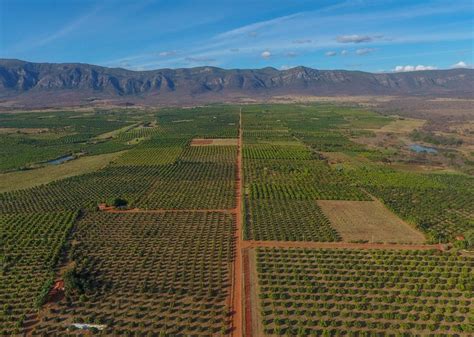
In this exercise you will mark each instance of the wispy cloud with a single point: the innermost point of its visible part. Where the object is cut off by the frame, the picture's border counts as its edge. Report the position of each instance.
(167, 53)
(406, 68)
(252, 29)
(302, 41)
(64, 31)
(364, 51)
(197, 59)
(312, 33)
(353, 38)
(330, 53)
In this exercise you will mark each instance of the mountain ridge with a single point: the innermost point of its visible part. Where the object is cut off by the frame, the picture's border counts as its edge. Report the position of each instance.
(47, 83)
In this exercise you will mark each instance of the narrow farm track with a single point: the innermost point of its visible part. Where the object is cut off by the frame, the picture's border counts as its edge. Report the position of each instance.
(236, 295)
(304, 244)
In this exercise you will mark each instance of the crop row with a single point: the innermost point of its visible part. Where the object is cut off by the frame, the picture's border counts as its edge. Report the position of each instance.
(30, 247)
(287, 220)
(164, 274)
(310, 191)
(180, 182)
(439, 204)
(339, 292)
(215, 154)
(271, 151)
(149, 156)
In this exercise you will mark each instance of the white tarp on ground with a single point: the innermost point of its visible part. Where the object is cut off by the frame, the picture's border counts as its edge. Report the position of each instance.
(84, 326)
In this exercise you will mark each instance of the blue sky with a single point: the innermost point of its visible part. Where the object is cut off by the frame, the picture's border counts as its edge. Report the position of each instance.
(377, 36)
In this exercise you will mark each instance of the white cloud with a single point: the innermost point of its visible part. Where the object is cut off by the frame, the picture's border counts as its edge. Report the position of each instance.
(266, 54)
(353, 38)
(299, 33)
(364, 51)
(419, 67)
(291, 54)
(286, 67)
(167, 53)
(330, 53)
(344, 52)
(461, 64)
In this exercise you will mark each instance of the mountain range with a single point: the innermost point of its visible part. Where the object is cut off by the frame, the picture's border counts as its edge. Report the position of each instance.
(47, 84)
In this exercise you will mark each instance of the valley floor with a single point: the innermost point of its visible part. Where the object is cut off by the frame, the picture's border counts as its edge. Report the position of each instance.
(265, 220)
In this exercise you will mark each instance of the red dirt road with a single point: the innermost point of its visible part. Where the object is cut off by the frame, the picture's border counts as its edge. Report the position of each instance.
(236, 296)
(304, 244)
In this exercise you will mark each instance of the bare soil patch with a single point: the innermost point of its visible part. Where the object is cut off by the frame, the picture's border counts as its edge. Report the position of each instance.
(405, 126)
(368, 220)
(214, 142)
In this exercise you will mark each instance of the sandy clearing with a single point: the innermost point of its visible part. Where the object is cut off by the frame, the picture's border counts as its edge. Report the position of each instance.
(368, 220)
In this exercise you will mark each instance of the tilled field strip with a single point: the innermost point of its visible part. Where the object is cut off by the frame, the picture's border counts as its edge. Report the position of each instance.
(139, 210)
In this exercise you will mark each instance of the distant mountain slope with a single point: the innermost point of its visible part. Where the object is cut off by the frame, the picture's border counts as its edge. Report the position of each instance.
(47, 83)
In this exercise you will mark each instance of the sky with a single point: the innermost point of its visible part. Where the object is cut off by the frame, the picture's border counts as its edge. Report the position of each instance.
(375, 36)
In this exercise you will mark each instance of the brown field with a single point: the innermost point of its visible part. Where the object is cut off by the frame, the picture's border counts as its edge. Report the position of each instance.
(215, 142)
(368, 220)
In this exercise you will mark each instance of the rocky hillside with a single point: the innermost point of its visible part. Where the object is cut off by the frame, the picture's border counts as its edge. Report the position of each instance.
(48, 83)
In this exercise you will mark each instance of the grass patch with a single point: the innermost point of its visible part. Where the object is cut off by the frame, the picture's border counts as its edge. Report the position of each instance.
(43, 175)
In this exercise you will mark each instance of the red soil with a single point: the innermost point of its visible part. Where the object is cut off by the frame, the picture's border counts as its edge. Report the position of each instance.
(163, 210)
(201, 142)
(57, 291)
(236, 296)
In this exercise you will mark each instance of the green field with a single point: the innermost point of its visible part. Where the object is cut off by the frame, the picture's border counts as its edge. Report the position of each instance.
(306, 292)
(163, 263)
